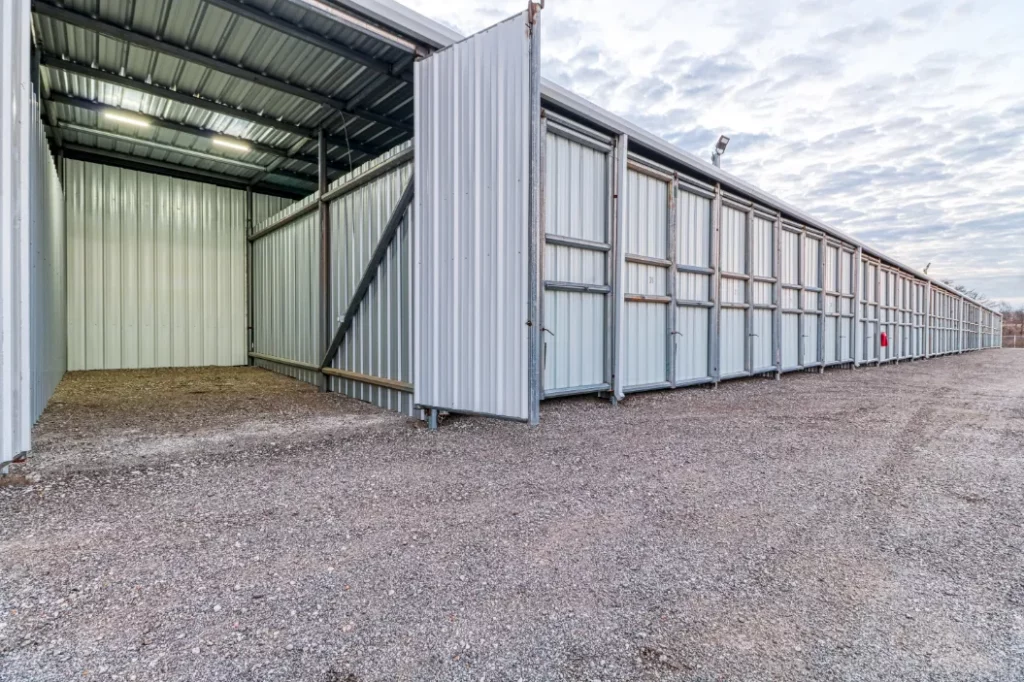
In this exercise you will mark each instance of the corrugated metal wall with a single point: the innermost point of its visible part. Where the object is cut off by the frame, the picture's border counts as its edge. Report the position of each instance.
(576, 268)
(696, 264)
(713, 285)
(15, 228)
(286, 292)
(379, 343)
(472, 283)
(49, 285)
(648, 299)
(156, 270)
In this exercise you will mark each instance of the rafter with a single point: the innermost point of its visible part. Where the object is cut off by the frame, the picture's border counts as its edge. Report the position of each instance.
(102, 27)
(252, 13)
(52, 61)
(99, 107)
(83, 152)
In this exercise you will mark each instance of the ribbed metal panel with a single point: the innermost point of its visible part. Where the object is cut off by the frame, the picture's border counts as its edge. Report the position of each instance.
(49, 288)
(472, 248)
(286, 294)
(733, 290)
(577, 197)
(236, 40)
(16, 145)
(645, 333)
(156, 270)
(693, 322)
(379, 344)
(265, 206)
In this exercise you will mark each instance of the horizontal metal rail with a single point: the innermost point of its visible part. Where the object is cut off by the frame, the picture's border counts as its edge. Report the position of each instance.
(553, 285)
(393, 384)
(648, 260)
(576, 242)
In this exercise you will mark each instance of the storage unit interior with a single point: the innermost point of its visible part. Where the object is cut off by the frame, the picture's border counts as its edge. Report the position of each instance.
(237, 183)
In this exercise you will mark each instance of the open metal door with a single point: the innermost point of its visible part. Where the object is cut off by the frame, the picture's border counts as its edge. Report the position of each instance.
(475, 282)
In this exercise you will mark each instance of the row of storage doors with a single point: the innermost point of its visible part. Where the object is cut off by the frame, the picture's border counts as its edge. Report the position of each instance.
(712, 287)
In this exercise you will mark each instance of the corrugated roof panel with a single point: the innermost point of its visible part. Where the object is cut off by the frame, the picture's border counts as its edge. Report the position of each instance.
(210, 30)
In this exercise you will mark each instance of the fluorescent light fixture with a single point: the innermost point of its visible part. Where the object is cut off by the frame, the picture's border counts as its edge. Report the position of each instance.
(230, 143)
(126, 118)
(723, 142)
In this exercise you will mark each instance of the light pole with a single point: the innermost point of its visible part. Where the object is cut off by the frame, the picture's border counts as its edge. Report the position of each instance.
(716, 156)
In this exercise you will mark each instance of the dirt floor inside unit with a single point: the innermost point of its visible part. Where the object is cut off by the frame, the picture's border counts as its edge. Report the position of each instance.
(231, 524)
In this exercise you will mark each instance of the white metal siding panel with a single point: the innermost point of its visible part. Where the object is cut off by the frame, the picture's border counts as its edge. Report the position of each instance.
(379, 343)
(645, 337)
(49, 292)
(16, 143)
(693, 323)
(576, 204)
(286, 293)
(576, 190)
(646, 216)
(472, 210)
(156, 270)
(733, 257)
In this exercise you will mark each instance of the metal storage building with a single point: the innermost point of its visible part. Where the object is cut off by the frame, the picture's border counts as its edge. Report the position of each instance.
(229, 182)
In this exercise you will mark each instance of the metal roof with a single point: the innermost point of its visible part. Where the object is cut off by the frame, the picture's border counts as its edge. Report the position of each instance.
(273, 71)
(435, 35)
(266, 71)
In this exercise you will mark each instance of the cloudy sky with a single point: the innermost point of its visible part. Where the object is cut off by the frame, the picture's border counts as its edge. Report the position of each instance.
(899, 122)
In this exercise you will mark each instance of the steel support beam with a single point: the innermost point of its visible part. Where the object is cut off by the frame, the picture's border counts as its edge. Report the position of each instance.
(387, 236)
(618, 264)
(99, 107)
(51, 61)
(249, 303)
(278, 24)
(714, 351)
(777, 294)
(535, 381)
(325, 255)
(111, 158)
(184, 151)
(99, 26)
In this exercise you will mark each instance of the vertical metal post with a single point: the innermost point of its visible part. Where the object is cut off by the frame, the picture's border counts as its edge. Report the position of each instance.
(801, 304)
(534, 238)
(542, 231)
(878, 314)
(325, 255)
(715, 347)
(960, 326)
(432, 419)
(821, 304)
(748, 292)
(250, 304)
(619, 250)
(673, 275)
(858, 297)
(777, 295)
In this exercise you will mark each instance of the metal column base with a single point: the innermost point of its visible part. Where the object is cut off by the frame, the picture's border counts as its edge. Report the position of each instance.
(432, 419)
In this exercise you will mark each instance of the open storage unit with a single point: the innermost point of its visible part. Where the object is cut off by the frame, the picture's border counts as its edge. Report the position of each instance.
(351, 194)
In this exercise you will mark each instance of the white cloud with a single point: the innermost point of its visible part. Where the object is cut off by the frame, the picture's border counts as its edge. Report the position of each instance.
(898, 121)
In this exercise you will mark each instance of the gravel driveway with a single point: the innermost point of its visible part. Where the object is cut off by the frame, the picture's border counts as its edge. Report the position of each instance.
(231, 524)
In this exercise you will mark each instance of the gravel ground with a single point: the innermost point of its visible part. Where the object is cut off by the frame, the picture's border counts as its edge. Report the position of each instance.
(231, 524)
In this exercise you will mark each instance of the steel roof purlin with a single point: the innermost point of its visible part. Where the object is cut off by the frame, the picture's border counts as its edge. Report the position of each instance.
(269, 75)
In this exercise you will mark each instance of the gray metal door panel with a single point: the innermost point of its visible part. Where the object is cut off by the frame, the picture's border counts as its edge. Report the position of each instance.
(477, 117)
(575, 267)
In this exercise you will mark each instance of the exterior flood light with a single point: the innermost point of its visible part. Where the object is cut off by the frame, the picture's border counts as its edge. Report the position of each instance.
(229, 143)
(716, 156)
(137, 121)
